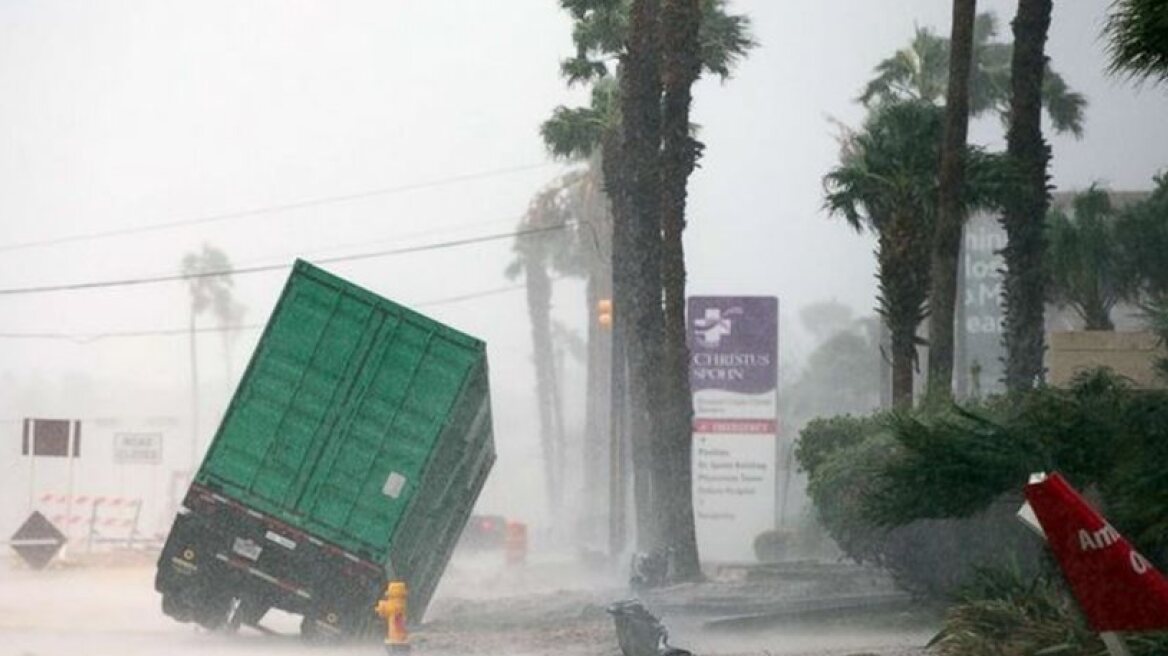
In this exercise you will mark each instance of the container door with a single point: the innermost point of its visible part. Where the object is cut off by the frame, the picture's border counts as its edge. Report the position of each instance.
(287, 403)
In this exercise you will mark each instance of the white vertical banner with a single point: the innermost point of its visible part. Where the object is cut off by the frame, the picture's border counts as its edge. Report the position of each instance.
(734, 379)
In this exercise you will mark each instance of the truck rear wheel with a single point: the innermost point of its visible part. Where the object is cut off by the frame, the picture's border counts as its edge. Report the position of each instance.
(333, 626)
(212, 613)
(177, 608)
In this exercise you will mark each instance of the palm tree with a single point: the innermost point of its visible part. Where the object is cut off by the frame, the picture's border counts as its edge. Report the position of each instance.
(1026, 203)
(208, 276)
(1142, 231)
(921, 72)
(886, 183)
(536, 257)
(1137, 34)
(1084, 265)
(629, 33)
(946, 249)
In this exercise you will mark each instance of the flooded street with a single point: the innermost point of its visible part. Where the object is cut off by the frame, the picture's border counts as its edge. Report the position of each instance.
(549, 607)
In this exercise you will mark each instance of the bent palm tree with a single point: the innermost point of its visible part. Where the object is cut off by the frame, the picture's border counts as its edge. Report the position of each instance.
(921, 72)
(887, 183)
(208, 276)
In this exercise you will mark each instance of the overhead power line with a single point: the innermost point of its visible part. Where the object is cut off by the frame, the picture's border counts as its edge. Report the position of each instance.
(127, 282)
(272, 209)
(85, 338)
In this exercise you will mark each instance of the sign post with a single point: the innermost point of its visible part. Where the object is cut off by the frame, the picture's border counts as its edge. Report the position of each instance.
(734, 378)
(59, 438)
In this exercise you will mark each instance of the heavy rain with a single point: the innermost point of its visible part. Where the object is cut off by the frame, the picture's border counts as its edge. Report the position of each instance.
(589, 327)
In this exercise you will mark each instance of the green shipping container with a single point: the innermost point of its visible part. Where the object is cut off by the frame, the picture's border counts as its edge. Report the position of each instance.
(361, 424)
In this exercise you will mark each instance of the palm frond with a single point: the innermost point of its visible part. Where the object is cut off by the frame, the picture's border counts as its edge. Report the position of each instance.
(1137, 39)
(723, 38)
(1065, 107)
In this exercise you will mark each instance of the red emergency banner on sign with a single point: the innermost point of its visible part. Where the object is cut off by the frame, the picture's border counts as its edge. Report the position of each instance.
(1117, 588)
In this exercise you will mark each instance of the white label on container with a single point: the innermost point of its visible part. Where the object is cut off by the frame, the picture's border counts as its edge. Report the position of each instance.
(247, 548)
(280, 540)
(393, 485)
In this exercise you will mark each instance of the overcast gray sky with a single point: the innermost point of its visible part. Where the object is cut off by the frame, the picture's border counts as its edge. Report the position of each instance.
(125, 114)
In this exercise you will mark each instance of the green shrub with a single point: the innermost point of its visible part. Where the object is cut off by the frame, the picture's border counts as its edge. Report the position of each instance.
(931, 495)
(927, 557)
(825, 436)
(1102, 435)
(1005, 612)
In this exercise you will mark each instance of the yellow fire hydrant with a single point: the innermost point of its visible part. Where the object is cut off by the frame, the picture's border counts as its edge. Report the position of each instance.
(393, 610)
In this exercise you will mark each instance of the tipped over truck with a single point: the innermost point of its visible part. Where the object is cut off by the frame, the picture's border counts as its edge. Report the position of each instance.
(351, 454)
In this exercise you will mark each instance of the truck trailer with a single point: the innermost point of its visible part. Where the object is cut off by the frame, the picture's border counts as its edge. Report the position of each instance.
(351, 454)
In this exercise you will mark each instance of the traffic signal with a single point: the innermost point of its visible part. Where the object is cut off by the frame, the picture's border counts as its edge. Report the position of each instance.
(604, 312)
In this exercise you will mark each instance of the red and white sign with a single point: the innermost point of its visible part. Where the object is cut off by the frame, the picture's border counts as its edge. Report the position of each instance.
(1116, 586)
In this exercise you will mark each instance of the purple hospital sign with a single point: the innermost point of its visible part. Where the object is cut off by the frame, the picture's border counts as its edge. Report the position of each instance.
(733, 373)
(733, 343)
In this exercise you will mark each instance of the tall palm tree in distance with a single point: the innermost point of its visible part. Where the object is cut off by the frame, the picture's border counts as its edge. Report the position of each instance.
(208, 276)
(921, 71)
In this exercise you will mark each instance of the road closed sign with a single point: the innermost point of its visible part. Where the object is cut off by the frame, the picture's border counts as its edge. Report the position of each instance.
(137, 448)
(733, 373)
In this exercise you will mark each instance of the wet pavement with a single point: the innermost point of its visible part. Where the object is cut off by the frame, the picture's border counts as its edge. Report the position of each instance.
(549, 607)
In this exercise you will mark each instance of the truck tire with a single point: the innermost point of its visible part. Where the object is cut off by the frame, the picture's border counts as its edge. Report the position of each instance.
(175, 607)
(316, 628)
(212, 613)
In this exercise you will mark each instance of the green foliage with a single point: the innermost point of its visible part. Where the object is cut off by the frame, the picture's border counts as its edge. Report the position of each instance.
(1137, 39)
(1005, 612)
(1084, 264)
(931, 495)
(887, 182)
(920, 72)
(723, 39)
(1142, 233)
(599, 32)
(824, 437)
(1100, 433)
(576, 132)
(844, 458)
(601, 28)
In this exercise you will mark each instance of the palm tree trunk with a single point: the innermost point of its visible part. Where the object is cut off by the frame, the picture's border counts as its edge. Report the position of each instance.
(1097, 316)
(904, 287)
(538, 305)
(629, 441)
(947, 235)
(904, 351)
(640, 144)
(679, 153)
(594, 421)
(1026, 205)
